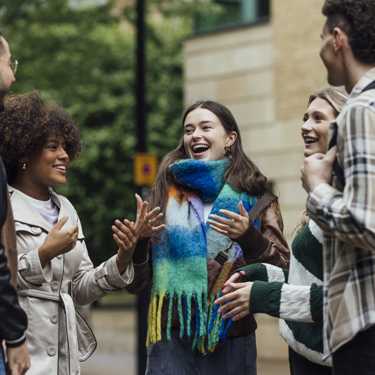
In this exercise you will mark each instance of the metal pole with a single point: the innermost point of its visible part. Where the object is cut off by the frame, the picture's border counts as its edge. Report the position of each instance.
(143, 299)
(140, 81)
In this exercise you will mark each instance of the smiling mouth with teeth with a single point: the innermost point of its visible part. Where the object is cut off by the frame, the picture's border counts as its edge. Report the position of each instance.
(200, 148)
(61, 167)
(309, 141)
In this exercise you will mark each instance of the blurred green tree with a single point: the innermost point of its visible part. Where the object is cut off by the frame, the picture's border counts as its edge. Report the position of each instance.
(83, 57)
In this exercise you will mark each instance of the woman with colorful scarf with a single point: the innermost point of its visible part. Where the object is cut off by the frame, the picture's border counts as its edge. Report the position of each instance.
(187, 262)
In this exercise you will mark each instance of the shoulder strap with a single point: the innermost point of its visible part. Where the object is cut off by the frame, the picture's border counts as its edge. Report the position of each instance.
(371, 86)
(3, 195)
(261, 205)
(336, 167)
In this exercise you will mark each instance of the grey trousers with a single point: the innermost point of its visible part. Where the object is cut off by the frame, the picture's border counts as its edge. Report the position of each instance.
(237, 356)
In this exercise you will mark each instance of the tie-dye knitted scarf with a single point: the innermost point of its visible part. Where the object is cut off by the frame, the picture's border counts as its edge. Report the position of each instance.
(180, 259)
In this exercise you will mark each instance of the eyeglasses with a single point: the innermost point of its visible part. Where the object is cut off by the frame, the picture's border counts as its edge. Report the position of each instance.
(13, 65)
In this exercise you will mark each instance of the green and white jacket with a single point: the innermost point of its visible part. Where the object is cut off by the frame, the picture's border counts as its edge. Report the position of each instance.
(295, 295)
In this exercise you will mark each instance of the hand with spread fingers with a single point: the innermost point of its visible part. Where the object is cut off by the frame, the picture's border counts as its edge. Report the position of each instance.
(238, 305)
(126, 238)
(234, 227)
(146, 221)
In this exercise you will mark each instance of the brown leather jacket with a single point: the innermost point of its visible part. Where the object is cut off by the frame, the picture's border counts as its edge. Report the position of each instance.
(266, 245)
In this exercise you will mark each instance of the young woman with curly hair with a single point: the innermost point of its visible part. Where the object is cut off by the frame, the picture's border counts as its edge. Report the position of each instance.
(295, 295)
(39, 140)
(205, 178)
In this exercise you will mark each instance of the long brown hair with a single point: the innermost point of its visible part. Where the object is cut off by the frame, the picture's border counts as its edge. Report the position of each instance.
(242, 175)
(337, 98)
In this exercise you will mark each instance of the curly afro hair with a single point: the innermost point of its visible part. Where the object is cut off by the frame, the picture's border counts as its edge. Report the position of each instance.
(356, 18)
(26, 125)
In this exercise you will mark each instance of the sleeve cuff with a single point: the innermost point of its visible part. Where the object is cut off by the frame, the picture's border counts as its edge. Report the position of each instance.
(31, 270)
(252, 243)
(316, 302)
(14, 343)
(321, 193)
(140, 252)
(265, 298)
(113, 277)
(254, 272)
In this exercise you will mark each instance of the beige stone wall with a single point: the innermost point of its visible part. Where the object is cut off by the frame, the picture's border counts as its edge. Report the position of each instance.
(298, 72)
(298, 69)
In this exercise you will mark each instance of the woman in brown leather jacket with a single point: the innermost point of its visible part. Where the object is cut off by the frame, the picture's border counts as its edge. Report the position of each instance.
(219, 215)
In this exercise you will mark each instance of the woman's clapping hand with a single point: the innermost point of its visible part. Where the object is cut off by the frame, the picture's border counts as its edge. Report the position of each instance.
(145, 222)
(58, 241)
(126, 238)
(126, 234)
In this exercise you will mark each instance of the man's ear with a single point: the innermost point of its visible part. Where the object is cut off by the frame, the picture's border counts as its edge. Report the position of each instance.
(340, 39)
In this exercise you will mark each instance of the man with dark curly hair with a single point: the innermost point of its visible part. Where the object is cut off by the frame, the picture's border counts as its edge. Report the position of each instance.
(342, 203)
(13, 320)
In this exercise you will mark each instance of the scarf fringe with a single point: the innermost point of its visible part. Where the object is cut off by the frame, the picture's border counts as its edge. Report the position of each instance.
(210, 327)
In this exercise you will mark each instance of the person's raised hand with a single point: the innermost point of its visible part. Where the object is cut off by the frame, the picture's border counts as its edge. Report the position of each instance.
(146, 221)
(233, 227)
(58, 241)
(236, 303)
(317, 168)
(126, 239)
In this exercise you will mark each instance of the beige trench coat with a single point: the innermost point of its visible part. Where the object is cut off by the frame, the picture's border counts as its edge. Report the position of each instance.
(57, 336)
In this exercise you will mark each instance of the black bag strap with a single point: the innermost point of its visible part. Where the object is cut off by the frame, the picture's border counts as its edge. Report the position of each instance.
(3, 195)
(333, 142)
(336, 167)
(261, 205)
(371, 86)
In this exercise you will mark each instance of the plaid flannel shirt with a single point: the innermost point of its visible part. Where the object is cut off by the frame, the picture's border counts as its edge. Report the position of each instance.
(347, 217)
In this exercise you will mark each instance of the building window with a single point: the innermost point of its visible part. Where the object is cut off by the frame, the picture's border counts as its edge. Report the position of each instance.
(234, 13)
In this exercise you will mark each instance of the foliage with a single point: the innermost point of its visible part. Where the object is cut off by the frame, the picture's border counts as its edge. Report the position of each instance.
(84, 58)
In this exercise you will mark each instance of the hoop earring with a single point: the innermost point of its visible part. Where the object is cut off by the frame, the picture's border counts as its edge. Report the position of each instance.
(227, 149)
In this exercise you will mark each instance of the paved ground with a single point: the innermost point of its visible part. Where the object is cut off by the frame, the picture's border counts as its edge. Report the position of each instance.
(115, 354)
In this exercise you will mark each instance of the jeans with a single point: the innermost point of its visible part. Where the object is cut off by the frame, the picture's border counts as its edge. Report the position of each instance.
(300, 365)
(357, 356)
(237, 356)
(2, 361)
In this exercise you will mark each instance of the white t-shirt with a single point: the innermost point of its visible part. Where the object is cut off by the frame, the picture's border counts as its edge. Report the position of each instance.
(47, 209)
(207, 207)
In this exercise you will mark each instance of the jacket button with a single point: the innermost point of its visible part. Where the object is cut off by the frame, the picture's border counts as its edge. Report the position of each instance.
(51, 351)
(55, 285)
(59, 256)
(54, 318)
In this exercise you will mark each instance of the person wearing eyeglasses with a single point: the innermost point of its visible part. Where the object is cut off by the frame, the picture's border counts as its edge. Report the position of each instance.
(13, 320)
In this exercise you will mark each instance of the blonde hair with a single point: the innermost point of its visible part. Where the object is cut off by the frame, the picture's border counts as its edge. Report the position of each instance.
(337, 98)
